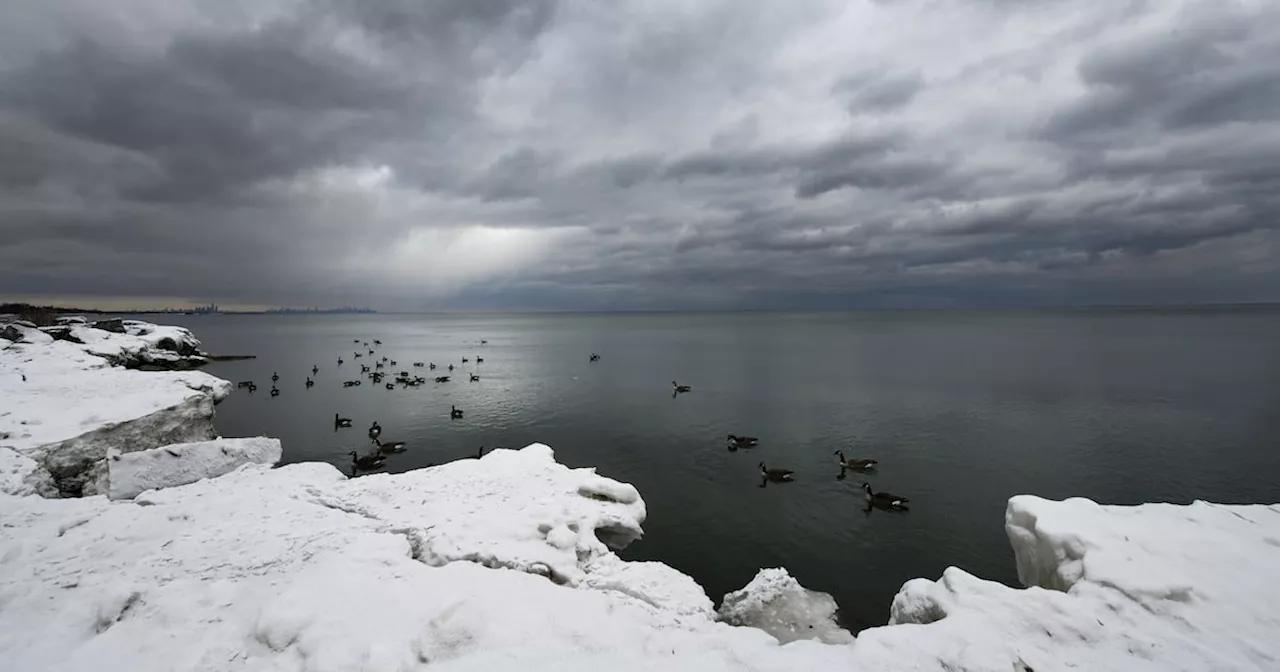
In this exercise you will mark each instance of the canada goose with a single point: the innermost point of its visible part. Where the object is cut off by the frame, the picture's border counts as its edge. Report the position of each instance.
(375, 430)
(377, 342)
(465, 360)
(355, 340)
(371, 352)
(474, 378)
(419, 364)
(595, 357)
(454, 413)
(736, 442)
(855, 465)
(310, 383)
(339, 421)
(275, 377)
(776, 475)
(480, 453)
(244, 383)
(339, 361)
(314, 369)
(384, 358)
(252, 388)
(432, 366)
(883, 500)
(367, 461)
(389, 446)
(356, 355)
(450, 367)
(679, 388)
(274, 391)
(442, 379)
(379, 365)
(479, 360)
(483, 342)
(392, 362)
(391, 386)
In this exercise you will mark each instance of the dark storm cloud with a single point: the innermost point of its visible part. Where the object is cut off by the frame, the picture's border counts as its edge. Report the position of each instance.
(570, 154)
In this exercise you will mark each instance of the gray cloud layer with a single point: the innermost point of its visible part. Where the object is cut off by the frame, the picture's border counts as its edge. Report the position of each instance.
(567, 153)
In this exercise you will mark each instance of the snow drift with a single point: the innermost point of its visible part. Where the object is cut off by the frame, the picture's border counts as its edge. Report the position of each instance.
(65, 403)
(131, 474)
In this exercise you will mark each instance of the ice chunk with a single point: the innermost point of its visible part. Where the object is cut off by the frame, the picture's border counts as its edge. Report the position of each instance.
(130, 474)
(518, 509)
(64, 407)
(20, 475)
(776, 603)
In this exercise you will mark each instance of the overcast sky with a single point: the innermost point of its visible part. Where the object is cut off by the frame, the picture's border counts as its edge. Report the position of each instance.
(409, 154)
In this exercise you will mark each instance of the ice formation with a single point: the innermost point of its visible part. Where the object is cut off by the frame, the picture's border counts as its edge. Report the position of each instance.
(64, 403)
(777, 603)
(130, 474)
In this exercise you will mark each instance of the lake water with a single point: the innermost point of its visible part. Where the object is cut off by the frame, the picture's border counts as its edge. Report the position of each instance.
(962, 409)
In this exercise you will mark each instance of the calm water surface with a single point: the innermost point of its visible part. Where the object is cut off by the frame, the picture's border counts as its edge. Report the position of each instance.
(963, 409)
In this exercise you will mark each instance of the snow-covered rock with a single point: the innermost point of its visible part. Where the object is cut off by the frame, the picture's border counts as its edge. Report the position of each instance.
(21, 475)
(776, 603)
(1155, 587)
(517, 509)
(258, 569)
(131, 474)
(64, 404)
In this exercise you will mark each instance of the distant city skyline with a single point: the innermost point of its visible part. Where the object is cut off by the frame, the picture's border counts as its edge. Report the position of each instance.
(714, 155)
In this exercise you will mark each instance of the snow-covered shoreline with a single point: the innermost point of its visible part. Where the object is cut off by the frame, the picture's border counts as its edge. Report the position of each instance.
(507, 562)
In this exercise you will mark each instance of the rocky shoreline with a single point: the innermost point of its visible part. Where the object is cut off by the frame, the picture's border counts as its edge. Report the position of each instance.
(172, 549)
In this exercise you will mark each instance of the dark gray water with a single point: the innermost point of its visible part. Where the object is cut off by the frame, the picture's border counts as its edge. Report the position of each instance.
(963, 409)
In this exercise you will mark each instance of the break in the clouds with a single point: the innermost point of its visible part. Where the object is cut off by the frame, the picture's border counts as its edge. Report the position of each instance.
(574, 154)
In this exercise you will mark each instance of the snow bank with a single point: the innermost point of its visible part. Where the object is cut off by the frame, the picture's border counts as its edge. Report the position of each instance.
(1153, 587)
(518, 509)
(777, 603)
(266, 569)
(130, 474)
(74, 404)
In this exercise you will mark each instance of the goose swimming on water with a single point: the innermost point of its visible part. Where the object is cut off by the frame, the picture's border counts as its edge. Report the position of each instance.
(314, 369)
(373, 461)
(455, 413)
(339, 421)
(854, 464)
(274, 391)
(776, 475)
(389, 446)
(375, 430)
(883, 500)
(474, 378)
(275, 377)
(310, 383)
(736, 442)
(677, 389)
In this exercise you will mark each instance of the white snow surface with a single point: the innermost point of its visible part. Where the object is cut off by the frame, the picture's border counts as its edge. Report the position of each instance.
(1156, 587)
(21, 475)
(266, 569)
(75, 404)
(131, 474)
(299, 568)
(776, 603)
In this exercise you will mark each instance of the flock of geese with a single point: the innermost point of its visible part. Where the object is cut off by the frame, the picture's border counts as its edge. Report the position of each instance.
(879, 500)
(374, 372)
(380, 448)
